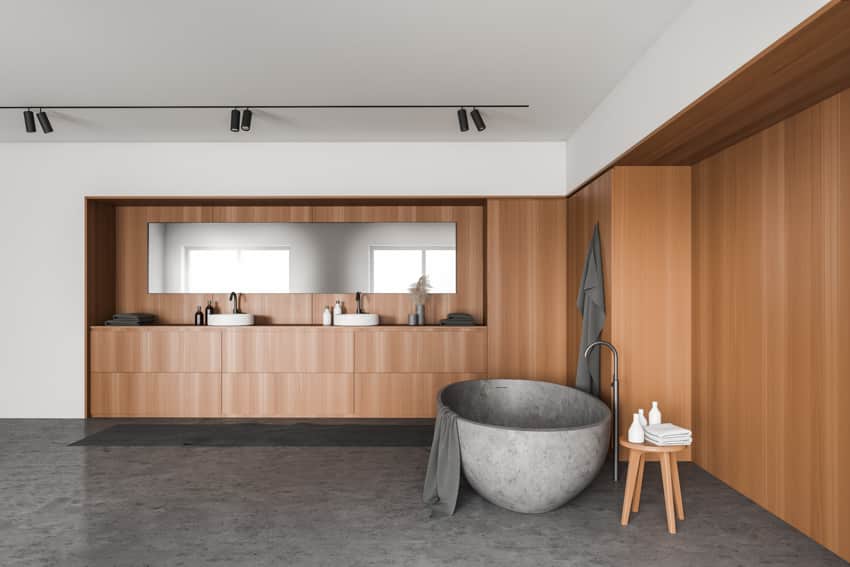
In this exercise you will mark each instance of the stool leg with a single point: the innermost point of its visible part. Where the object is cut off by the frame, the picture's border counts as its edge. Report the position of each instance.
(677, 489)
(667, 480)
(639, 485)
(631, 477)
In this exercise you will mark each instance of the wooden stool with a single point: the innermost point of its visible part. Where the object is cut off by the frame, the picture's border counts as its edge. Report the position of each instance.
(669, 477)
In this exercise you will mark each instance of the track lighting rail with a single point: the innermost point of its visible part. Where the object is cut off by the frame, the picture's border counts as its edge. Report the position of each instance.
(262, 106)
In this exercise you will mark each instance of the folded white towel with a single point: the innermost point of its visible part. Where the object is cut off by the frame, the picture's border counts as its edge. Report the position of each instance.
(664, 430)
(667, 435)
(666, 443)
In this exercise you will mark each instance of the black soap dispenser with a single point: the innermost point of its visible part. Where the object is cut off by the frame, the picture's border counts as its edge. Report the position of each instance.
(208, 310)
(199, 317)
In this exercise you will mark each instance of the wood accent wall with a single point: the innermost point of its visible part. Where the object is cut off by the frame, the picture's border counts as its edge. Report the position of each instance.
(301, 309)
(526, 285)
(644, 216)
(585, 209)
(651, 292)
(772, 319)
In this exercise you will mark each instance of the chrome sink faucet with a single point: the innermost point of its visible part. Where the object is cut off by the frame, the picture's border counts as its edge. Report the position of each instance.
(234, 298)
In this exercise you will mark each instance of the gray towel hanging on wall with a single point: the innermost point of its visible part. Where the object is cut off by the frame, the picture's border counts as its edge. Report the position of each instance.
(591, 305)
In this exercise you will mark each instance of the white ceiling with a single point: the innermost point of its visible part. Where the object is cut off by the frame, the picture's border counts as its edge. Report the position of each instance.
(560, 56)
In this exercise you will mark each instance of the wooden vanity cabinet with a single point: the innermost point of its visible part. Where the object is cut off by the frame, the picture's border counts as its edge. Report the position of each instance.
(155, 372)
(279, 371)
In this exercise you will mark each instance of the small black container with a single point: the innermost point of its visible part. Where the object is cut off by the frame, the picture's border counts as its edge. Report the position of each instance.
(208, 310)
(199, 317)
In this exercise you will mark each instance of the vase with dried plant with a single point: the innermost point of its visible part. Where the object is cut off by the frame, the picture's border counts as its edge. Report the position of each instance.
(419, 295)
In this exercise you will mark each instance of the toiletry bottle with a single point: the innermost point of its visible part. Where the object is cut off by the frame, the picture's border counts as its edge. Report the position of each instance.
(337, 308)
(643, 421)
(654, 414)
(199, 316)
(208, 310)
(636, 430)
(326, 316)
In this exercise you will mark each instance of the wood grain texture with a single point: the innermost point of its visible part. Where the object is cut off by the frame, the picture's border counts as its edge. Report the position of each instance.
(586, 208)
(158, 350)
(131, 281)
(99, 273)
(155, 395)
(651, 293)
(287, 395)
(288, 350)
(807, 65)
(400, 395)
(428, 350)
(526, 288)
(772, 319)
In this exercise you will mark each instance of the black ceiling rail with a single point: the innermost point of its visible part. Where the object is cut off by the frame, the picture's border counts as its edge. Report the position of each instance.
(260, 106)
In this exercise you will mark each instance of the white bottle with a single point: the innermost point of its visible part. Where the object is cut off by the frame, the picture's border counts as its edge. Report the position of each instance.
(654, 414)
(337, 308)
(326, 316)
(643, 421)
(636, 430)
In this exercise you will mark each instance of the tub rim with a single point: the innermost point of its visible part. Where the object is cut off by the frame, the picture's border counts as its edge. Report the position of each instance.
(606, 419)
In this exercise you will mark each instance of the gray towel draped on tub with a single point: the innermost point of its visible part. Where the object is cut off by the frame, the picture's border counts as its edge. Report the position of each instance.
(442, 480)
(591, 305)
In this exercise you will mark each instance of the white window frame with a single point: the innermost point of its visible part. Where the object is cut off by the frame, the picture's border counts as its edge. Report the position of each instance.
(422, 253)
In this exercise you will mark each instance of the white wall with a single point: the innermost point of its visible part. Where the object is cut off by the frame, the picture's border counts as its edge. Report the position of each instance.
(41, 224)
(707, 43)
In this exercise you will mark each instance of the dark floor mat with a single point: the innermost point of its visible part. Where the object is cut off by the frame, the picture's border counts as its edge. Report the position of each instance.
(260, 435)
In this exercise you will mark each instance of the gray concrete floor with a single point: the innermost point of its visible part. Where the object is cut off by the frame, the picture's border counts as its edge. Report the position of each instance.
(130, 506)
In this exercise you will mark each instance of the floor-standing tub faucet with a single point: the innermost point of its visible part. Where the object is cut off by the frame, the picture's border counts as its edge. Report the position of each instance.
(615, 402)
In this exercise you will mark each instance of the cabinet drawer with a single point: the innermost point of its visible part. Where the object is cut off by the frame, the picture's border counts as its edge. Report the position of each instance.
(155, 395)
(287, 395)
(285, 350)
(401, 395)
(424, 350)
(155, 350)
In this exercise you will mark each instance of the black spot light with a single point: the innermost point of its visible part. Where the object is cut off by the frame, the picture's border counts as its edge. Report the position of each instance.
(479, 121)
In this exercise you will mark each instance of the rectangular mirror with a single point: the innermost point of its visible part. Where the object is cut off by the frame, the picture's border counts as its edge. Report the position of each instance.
(300, 257)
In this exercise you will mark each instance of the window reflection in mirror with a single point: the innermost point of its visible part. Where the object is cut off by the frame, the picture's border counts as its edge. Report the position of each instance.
(303, 257)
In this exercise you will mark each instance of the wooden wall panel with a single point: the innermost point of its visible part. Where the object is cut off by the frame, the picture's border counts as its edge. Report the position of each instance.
(295, 309)
(586, 208)
(155, 395)
(397, 395)
(155, 349)
(422, 350)
(651, 294)
(772, 319)
(100, 262)
(527, 289)
(288, 350)
(287, 395)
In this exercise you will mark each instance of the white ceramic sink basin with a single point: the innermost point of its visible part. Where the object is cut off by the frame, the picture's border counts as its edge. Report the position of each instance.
(230, 320)
(356, 320)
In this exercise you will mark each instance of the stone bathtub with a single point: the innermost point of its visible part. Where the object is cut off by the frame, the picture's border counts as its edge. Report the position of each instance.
(526, 445)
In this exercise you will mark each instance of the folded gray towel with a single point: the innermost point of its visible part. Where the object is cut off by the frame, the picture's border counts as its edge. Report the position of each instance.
(460, 316)
(442, 479)
(134, 316)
